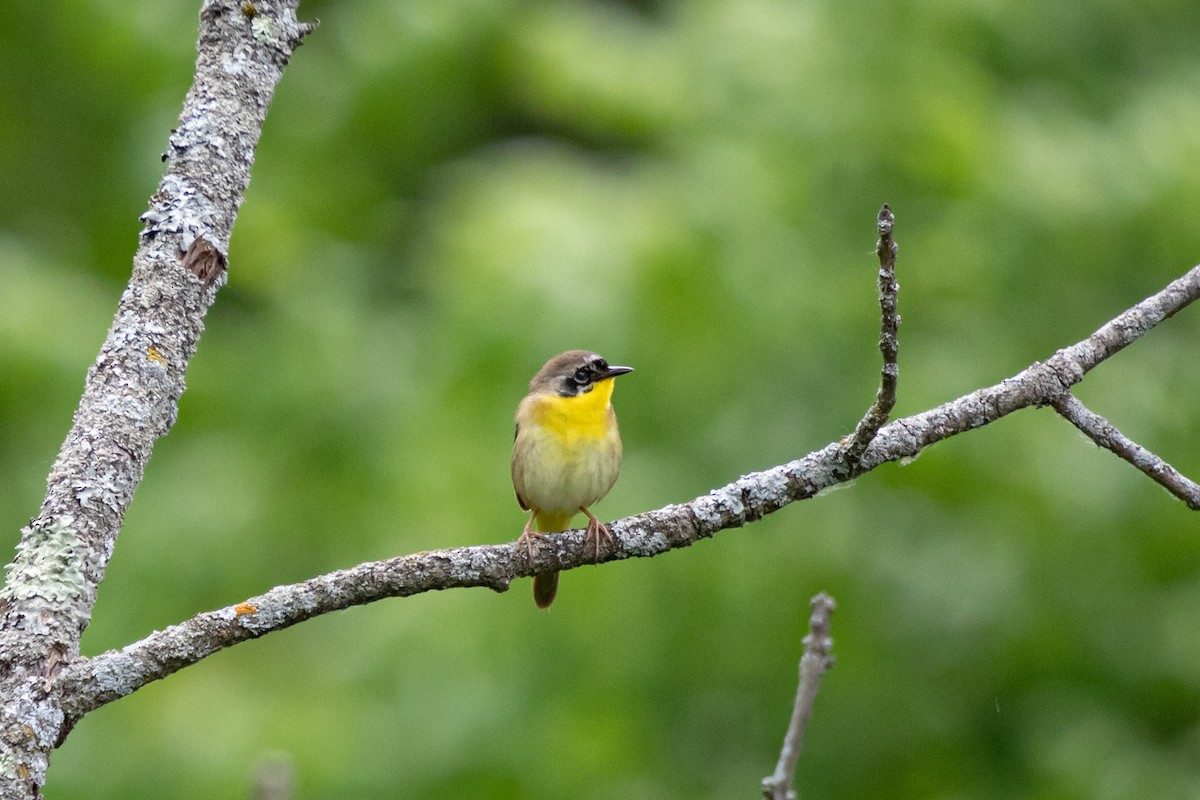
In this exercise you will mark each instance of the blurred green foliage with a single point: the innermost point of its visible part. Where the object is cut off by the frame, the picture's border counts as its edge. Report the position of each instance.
(448, 192)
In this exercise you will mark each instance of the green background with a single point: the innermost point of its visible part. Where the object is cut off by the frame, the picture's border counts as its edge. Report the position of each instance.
(449, 192)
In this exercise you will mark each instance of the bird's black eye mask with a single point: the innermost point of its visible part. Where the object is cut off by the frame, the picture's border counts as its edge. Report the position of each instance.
(584, 378)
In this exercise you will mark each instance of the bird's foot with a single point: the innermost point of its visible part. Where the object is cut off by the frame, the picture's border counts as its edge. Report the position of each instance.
(595, 532)
(526, 539)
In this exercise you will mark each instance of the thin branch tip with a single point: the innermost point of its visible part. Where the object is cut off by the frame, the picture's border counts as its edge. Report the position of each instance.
(818, 643)
(816, 660)
(885, 222)
(889, 344)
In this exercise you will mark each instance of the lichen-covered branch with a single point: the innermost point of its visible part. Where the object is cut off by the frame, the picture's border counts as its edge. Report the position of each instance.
(131, 393)
(89, 683)
(814, 663)
(1106, 435)
(889, 341)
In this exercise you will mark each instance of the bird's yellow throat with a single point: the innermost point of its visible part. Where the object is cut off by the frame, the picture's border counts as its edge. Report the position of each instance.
(584, 416)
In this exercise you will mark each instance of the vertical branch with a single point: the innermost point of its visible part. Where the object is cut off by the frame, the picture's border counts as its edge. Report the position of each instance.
(816, 660)
(889, 343)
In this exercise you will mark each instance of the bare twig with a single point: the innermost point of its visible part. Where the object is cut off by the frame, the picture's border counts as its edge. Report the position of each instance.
(889, 342)
(1105, 434)
(86, 684)
(813, 664)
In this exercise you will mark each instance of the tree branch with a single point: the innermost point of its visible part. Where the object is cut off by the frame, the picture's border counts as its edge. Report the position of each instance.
(817, 659)
(1105, 434)
(889, 341)
(131, 393)
(89, 683)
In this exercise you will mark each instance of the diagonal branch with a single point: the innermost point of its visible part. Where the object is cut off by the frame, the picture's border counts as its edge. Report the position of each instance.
(132, 390)
(1106, 435)
(87, 684)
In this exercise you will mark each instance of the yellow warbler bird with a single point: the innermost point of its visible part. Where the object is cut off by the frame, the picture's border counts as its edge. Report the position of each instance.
(567, 452)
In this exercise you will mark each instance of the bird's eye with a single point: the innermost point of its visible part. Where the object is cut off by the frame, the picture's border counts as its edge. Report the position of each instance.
(582, 376)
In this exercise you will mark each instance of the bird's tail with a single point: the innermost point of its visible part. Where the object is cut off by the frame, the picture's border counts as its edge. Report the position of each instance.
(545, 584)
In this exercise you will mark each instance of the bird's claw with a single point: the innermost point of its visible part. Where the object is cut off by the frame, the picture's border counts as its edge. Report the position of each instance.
(526, 539)
(597, 531)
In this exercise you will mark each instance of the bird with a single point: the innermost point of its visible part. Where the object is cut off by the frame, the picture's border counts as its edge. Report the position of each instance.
(566, 452)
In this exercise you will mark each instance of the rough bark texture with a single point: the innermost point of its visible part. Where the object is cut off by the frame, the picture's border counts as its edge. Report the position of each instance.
(131, 393)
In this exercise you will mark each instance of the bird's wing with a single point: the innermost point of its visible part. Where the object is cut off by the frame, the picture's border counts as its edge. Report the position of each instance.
(520, 500)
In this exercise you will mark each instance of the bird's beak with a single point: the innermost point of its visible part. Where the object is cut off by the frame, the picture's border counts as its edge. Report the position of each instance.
(613, 372)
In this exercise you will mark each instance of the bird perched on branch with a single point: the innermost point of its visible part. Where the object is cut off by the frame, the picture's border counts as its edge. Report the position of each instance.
(567, 452)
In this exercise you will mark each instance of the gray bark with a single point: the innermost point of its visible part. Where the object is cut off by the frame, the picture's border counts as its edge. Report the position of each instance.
(131, 393)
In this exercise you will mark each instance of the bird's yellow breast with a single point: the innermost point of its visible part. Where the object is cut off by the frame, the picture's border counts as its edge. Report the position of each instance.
(567, 453)
(585, 416)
